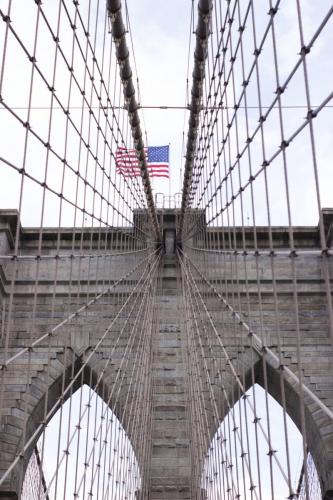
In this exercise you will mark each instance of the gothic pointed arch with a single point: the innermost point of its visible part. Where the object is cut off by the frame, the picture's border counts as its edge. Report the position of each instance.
(264, 384)
(58, 388)
(251, 453)
(83, 451)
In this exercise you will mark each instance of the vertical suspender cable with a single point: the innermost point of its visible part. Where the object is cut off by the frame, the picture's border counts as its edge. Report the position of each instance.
(119, 36)
(202, 34)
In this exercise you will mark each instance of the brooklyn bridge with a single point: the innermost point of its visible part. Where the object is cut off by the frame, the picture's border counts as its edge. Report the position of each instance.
(157, 345)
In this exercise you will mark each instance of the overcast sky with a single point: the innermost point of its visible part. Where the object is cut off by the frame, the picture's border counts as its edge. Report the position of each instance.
(160, 33)
(161, 44)
(161, 49)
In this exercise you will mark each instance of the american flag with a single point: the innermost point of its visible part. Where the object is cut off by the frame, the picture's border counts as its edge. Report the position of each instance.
(128, 165)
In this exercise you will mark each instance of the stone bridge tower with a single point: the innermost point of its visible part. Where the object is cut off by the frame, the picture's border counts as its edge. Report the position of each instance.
(51, 364)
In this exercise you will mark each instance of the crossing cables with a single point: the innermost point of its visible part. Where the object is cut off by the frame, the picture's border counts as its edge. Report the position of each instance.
(202, 34)
(119, 35)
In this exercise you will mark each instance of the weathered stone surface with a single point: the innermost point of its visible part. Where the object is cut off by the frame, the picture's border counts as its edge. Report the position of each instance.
(170, 462)
(251, 294)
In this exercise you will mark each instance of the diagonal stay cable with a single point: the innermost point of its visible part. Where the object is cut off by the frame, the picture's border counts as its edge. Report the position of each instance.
(258, 346)
(73, 315)
(72, 382)
(200, 54)
(233, 369)
(119, 35)
(120, 372)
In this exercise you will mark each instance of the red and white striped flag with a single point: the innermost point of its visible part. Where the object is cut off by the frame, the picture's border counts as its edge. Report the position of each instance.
(128, 165)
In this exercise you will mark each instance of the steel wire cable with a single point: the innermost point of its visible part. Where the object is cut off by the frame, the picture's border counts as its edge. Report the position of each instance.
(68, 388)
(79, 299)
(240, 184)
(95, 266)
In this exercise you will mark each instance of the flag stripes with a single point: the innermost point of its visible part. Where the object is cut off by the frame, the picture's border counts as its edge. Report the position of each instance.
(128, 163)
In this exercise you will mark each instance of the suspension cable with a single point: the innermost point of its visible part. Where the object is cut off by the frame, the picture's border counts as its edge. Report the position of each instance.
(119, 36)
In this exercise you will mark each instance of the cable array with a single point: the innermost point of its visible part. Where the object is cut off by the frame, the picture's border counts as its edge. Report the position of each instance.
(237, 232)
(128, 369)
(78, 289)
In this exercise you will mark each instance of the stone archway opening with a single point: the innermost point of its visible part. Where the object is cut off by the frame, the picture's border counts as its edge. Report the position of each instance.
(258, 455)
(84, 452)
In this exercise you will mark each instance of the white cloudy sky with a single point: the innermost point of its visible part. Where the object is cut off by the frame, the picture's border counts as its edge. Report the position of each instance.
(161, 53)
(161, 34)
(161, 48)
